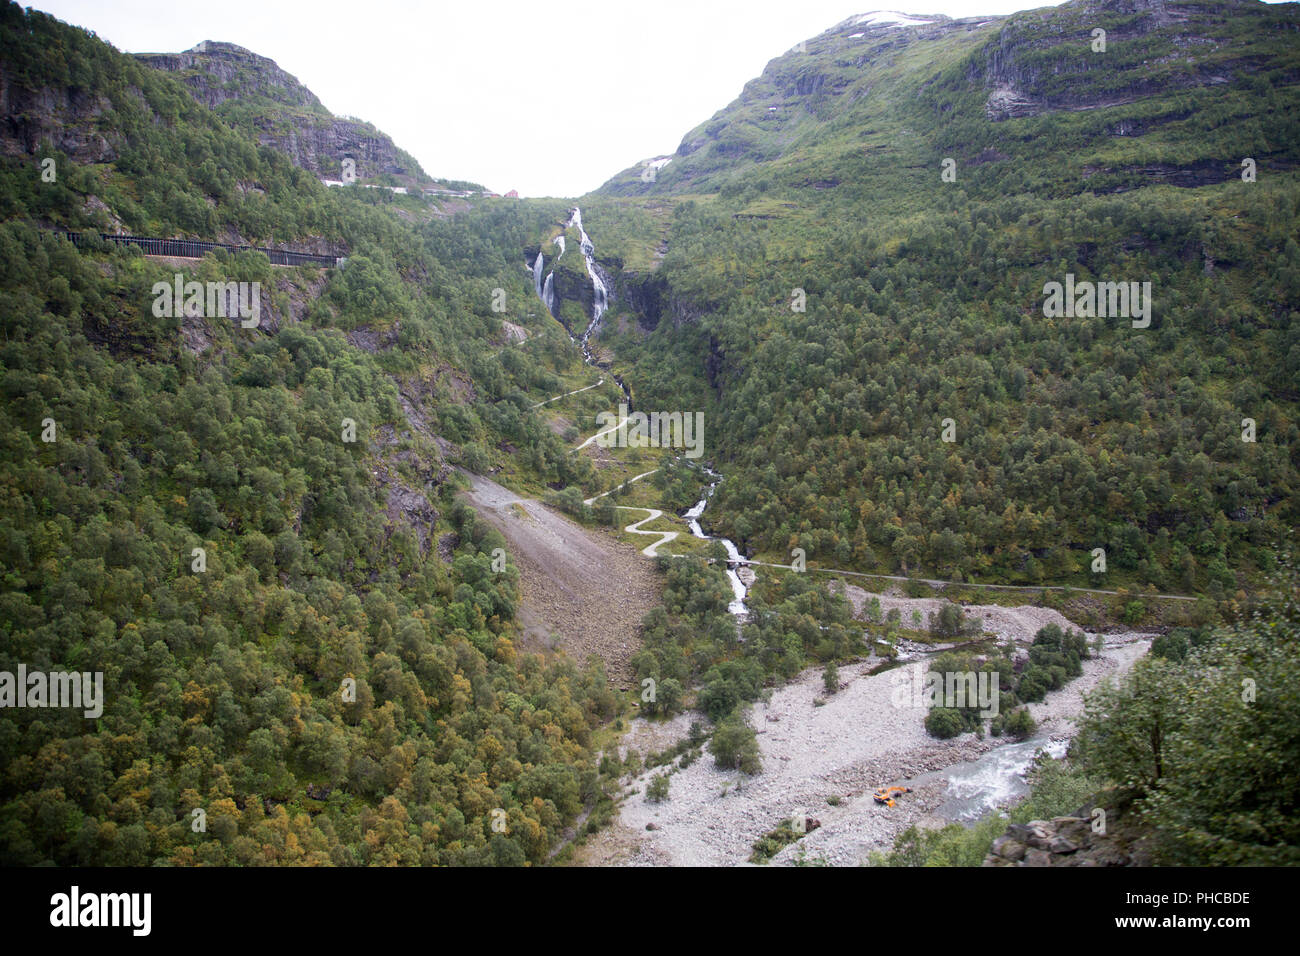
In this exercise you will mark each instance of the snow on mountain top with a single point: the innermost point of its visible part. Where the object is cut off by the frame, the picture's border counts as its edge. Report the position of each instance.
(890, 18)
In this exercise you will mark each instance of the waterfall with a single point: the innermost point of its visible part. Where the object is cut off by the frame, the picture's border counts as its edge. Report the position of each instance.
(600, 292)
(735, 559)
(598, 288)
(548, 293)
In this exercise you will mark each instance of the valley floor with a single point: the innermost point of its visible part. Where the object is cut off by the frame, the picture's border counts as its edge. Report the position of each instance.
(856, 741)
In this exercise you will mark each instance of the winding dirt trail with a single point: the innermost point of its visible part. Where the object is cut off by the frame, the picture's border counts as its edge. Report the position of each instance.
(635, 528)
(600, 433)
(567, 394)
(623, 485)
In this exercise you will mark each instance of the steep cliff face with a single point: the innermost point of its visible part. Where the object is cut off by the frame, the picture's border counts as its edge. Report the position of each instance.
(253, 91)
(1049, 60)
(217, 72)
(572, 285)
(647, 296)
(64, 117)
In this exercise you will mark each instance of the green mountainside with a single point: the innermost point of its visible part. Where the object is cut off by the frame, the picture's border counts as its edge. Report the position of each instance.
(252, 93)
(924, 295)
(843, 269)
(324, 558)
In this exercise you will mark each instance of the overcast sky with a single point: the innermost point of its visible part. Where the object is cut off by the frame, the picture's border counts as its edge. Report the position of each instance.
(548, 98)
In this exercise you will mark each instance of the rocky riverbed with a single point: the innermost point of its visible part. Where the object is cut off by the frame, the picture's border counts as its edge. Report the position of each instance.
(823, 756)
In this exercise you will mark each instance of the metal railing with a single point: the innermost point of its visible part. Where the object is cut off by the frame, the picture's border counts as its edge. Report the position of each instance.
(197, 248)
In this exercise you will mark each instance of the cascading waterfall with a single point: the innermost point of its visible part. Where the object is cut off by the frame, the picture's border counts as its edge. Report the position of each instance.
(600, 292)
(734, 558)
(537, 274)
(548, 293)
(600, 304)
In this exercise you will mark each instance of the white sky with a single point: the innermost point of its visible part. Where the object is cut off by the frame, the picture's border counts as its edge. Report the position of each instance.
(548, 98)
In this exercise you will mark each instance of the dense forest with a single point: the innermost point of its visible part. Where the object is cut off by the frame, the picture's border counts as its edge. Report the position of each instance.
(1069, 434)
(309, 653)
(202, 530)
(856, 300)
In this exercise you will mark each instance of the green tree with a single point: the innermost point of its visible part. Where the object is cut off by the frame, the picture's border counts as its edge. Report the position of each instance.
(831, 678)
(735, 745)
(656, 790)
(944, 722)
(1126, 727)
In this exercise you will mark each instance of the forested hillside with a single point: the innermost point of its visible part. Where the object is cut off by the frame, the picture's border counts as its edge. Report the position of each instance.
(200, 528)
(857, 256)
(309, 642)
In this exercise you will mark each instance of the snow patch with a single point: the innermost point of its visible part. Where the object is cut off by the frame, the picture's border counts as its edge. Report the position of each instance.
(888, 18)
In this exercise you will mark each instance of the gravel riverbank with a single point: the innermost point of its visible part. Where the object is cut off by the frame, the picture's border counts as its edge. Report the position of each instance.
(843, 748)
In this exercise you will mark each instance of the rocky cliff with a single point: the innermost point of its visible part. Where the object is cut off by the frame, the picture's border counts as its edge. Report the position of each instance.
(253, 91)
(1071, 841)
(880, 92)
(65, 117)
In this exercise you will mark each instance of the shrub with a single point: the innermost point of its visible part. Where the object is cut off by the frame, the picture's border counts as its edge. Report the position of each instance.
(944, 722)
(948, 622)
(735, 745)
(657, 790)
(1133, 612)
(831, 678)
(1020, 724)
(1033, 684)
(774, 841)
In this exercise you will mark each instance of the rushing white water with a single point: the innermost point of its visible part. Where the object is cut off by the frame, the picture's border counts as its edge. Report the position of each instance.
(548, 293)
(600, 292)
(600, 303)
(977, 787)
(734, 558)
(537, 274)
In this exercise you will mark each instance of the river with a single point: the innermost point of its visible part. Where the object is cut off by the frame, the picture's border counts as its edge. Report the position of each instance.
(735, 560)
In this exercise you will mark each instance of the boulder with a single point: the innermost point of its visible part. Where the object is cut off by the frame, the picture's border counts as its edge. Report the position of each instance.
(1008, 848)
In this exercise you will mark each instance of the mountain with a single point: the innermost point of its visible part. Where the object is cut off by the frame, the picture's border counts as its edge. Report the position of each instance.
(251, 92)
(249, 529)
(856, 253)
(856, 273)
(1159, 102)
